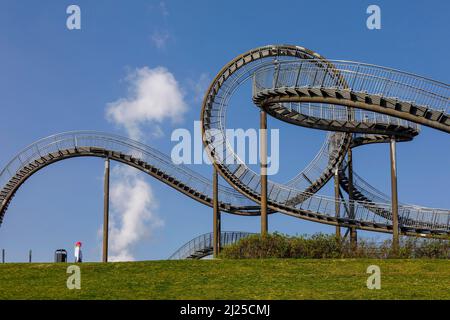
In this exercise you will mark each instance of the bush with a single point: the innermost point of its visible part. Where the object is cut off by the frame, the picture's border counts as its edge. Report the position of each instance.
(316, 246)
(255, 246)
(321, 245)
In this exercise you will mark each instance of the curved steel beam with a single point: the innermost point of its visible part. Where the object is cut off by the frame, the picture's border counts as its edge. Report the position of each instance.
(403, 110)
(92, 144)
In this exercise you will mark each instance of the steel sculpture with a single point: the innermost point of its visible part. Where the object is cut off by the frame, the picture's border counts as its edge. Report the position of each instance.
(357, 103)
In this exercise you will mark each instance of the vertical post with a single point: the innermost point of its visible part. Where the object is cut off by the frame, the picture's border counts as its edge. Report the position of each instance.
(337, 201)
(106, 211)
(394, 196)
(216, 215)
(353, 238)
(219, 229)
(29, 255)
(353, 234)
(3, 255)
(263, 173)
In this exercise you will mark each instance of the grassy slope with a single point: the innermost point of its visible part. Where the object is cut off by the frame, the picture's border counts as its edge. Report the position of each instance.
(228, 279)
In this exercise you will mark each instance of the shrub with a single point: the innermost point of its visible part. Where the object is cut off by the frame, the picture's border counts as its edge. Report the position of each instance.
(320, 245)
(436, 249)
(255, 246)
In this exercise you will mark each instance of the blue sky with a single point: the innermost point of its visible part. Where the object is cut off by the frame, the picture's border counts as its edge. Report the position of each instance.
(54, 80)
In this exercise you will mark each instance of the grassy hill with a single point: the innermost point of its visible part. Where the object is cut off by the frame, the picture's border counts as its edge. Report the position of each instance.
(230, 279)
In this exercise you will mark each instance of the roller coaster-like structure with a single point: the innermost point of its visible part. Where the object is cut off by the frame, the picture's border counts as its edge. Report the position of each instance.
(357, 103)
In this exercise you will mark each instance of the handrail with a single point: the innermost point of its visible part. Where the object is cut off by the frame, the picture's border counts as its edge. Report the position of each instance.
(80, 139)
(203, 244)
(424, 91)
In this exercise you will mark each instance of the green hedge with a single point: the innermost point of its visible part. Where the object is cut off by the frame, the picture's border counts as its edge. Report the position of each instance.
(328, 246)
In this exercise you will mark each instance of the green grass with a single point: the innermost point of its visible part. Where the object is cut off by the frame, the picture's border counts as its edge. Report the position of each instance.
(230, 279)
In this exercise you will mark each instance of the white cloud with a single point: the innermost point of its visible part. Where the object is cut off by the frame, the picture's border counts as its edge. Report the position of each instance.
(199, 86)
(133, 214)
(160, 38)
(163, 8)
(154, 96)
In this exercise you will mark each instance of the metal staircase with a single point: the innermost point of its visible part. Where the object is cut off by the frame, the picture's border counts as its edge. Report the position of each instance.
(202, 246)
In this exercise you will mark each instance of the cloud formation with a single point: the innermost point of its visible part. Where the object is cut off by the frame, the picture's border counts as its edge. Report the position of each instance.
(163, 8)
(133, 214)
(154, 96)
(199, 86)
(160, 38)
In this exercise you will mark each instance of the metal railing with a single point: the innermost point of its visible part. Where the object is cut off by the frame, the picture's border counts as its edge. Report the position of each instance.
(316, 173)
(279, 71)
(333, 112)
(111, 142)
(358, 77)
(202, 245)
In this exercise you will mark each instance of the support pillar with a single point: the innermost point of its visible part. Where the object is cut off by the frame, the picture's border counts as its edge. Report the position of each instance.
(106, 211)
(353, 238)
(30, 256)
(216, 215)
(394, 197)
(353, 233)
(263, 173)
(337, 201)
(3, 255)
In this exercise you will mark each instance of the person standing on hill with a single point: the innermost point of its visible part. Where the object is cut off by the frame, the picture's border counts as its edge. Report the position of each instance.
(78, 253)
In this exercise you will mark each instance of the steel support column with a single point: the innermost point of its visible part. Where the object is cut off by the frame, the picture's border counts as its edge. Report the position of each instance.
(394, 196)
(337, 201)
(353, 234)
(263, 164)
(106, 211)
(353, 238)
(216, 215)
